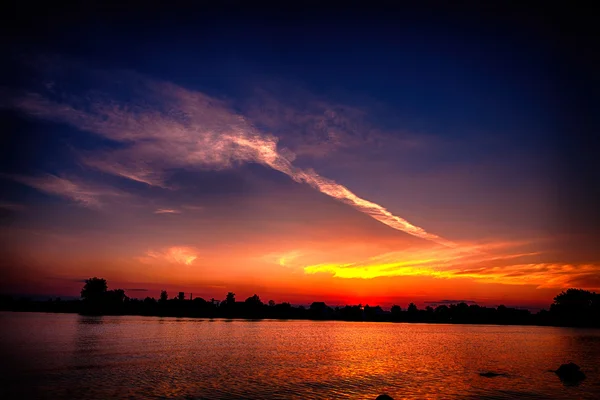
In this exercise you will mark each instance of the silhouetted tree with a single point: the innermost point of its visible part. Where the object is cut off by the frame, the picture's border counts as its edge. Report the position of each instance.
(412, 312)
(164, 296)
(367, 312)
(576, 307)
(372, 313)
(442, 313)
(576, 298)
(396, 312)
(351, 313)
(114, 302)
(319, 310)
(98, 300)
(253, 306)
(254, 301)
(94, 290)
(116, 296)
(573, 307)
(228, 306)
(230, 299)
(149, 301)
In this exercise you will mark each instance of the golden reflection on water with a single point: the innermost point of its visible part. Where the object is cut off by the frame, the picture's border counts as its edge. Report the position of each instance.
(66, 356)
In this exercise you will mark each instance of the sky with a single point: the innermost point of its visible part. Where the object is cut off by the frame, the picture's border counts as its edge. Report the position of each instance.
(347, 155)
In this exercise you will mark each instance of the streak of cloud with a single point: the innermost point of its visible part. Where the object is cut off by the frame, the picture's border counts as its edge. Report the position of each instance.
(166, 211)
(175, 254)
(283, 259)
(544, 275)
(12, 206)
(192, 207)
(438, 262)
(187, 129)
(83, 194)
(313, 127)
(489, 266)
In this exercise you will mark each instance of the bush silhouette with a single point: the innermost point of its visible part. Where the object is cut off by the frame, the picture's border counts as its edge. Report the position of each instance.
(573, 307)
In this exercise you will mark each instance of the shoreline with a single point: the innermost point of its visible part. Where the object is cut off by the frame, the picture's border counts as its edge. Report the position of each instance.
(232, 319)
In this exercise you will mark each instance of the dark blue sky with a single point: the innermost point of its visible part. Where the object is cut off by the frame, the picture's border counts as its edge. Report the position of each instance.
(455, 70)
(521, 75)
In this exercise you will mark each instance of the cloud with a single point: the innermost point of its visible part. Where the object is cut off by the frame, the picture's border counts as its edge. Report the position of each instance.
(307, 125)
(84, 194)
(284, 259)
(541, 275)
(588, 280)
(500, 263)
(175, 255)
(314, 127)
(186, 129)
(166, 211)
(124, 163)
(12, 206)
(439, 261)
(136, 290)
(192, 207)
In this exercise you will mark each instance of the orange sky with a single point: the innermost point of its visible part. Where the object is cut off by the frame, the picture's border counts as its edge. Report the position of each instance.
(201, 200)
(324, 251)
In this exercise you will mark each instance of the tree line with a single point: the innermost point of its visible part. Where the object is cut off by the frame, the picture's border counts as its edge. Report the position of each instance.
(572, 307)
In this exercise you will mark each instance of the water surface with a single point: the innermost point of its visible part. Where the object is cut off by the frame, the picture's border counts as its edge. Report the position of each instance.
(72, 356)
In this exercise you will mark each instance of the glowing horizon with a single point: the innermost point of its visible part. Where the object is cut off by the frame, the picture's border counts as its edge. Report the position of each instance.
(161, 151)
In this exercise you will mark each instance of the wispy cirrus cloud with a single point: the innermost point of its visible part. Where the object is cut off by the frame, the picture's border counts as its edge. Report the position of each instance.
(541, 275)
(435, 261)
(186, 129)
(308, 126)
(284, 259)
(312, 126)
(499, 263)
(175, 254)
(166, 211)
(192, 207)
(11, 206)
(84, 194)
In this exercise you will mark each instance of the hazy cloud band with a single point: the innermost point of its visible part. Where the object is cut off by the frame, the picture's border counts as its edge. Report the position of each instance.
(183, 129)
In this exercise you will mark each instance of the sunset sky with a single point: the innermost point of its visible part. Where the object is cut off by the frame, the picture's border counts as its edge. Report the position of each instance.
(344, 156)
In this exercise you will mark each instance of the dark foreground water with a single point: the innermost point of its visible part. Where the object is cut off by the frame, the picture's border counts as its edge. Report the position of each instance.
(71, 356)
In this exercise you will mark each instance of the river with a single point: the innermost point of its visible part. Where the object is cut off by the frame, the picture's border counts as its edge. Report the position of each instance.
(63, 356)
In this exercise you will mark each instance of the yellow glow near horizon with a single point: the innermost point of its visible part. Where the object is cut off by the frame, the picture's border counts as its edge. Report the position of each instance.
(542, 275)
(349, 271)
